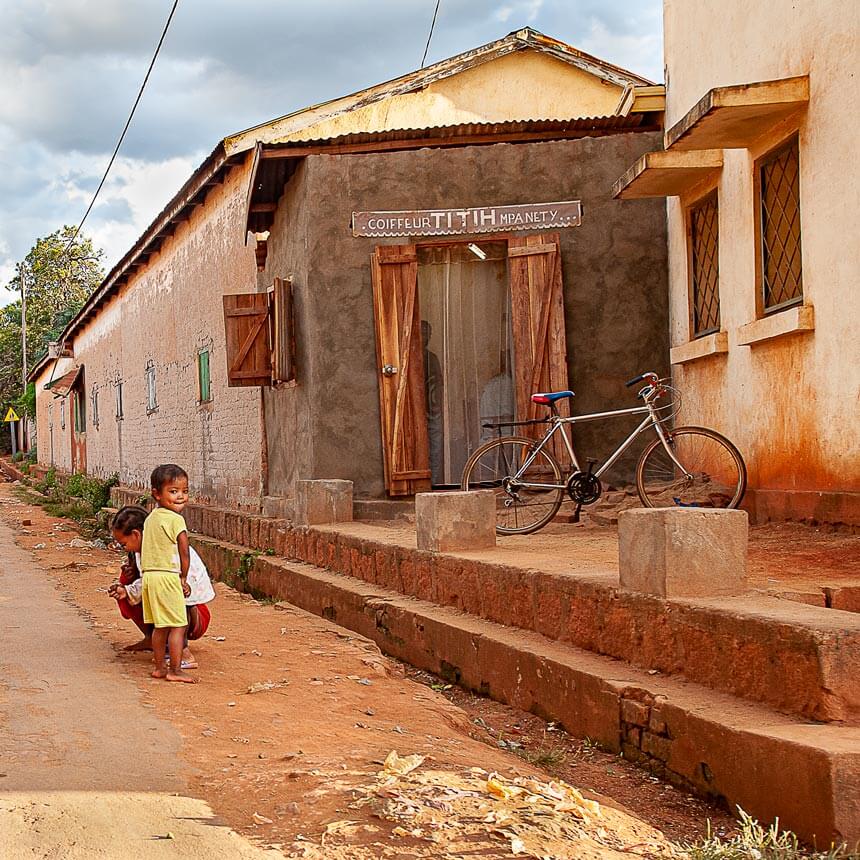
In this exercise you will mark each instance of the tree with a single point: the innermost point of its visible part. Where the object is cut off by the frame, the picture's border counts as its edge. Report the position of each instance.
(58, 279)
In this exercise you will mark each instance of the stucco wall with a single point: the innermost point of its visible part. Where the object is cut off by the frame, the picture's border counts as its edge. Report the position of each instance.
(53, 442)
(289, 434)
(791, 404)
(167, 313)
(614, 275)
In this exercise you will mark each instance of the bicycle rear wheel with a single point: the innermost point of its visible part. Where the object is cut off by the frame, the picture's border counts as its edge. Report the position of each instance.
(519, 510)
(714, 473)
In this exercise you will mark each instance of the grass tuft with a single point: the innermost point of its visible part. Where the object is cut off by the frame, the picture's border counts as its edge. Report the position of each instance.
(756, 842)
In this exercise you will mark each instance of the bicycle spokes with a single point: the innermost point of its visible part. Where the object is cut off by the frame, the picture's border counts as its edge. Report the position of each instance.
(713, 474)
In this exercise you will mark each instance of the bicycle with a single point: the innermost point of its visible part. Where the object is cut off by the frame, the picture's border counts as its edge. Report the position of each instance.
(684, 466)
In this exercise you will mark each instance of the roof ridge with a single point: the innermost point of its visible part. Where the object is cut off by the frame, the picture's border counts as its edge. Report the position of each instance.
(516, 40)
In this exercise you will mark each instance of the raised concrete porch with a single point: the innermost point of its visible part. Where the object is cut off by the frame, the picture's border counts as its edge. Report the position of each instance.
(540, 621)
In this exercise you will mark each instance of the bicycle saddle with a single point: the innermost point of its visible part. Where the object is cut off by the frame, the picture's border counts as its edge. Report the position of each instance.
(551, 397)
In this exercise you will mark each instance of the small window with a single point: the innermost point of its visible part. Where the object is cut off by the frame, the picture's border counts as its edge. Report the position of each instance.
(203, 386)
(704, 255)
(118, 399)
(62, 413)
(780, 271)
(94, 406)
(151, 400)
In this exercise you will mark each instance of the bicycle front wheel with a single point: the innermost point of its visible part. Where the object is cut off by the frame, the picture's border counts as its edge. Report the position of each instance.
(713, 474)
(498, 466)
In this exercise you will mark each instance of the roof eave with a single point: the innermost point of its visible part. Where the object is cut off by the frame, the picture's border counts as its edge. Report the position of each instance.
(173, 213)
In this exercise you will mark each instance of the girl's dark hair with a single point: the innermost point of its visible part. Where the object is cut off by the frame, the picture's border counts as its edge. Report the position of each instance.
(164, 473)
(128, 519)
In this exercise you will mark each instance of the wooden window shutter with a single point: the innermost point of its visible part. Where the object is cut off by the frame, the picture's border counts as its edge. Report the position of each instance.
(537, 318)
(400, 356)
(283, 331)
(249, 352)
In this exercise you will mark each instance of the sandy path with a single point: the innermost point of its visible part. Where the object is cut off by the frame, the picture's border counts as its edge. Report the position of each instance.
(284, 737)
(86, 770)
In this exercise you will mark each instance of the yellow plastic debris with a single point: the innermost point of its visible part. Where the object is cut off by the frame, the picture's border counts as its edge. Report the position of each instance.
(401, 765)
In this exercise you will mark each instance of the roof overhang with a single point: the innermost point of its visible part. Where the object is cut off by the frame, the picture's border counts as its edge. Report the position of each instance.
(210, 173)
(61, 386)
(275, 163)
(668, 173)
(735, 117)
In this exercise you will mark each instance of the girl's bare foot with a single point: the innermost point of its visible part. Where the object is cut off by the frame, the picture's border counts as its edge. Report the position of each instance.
(143, 645)
(160, 673)
(180, 676)
(189, 661)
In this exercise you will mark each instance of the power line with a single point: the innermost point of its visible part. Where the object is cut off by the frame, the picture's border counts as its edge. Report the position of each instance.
(127, 124)
(430, 34)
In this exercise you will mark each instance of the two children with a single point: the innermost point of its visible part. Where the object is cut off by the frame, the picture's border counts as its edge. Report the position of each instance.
(127, 530)
(165, 563)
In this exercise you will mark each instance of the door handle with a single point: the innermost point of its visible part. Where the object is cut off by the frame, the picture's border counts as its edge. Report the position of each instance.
(388, 370)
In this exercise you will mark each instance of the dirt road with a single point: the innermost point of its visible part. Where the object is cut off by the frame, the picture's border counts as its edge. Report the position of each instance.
(86, 770)
(285, 739)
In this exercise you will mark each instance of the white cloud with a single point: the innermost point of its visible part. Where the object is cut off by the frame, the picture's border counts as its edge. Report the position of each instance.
(69, 72)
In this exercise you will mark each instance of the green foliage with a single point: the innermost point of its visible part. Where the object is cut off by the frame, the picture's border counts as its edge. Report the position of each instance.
(79, 498)
(48, 482)
(25, 404)
(17, 457)
(93, 491)
(57, 283)
(755, 842)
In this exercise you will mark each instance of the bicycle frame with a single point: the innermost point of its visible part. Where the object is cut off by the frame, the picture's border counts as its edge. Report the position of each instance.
(651, 420)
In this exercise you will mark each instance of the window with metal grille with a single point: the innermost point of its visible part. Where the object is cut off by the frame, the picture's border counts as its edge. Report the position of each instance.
(779, 214)
(204, 386)
(705, 265)
(94, 406)
(62, 413)
(118, 393)
(151, 400)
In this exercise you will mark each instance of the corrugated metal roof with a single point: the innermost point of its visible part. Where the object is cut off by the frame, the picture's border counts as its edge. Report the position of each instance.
(232, 150)
(472, 129)
(278, 160)
(519, 40)
(62, 386)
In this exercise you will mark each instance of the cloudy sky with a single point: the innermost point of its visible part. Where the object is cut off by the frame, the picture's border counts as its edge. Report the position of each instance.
(69, 71)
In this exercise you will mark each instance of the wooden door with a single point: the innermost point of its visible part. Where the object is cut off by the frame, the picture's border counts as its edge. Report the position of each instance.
(400, 363)
(537, 321)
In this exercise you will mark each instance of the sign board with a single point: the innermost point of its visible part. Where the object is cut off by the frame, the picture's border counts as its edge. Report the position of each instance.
(11, 415)
(480, 219)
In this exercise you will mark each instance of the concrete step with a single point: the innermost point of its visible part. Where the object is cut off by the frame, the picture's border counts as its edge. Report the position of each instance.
(740, 753)
(796, 658)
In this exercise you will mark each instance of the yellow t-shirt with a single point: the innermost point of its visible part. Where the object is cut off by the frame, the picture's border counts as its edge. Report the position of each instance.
(159, 550)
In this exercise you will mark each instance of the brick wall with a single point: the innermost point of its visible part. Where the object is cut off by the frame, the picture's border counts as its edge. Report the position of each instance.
(165, 315)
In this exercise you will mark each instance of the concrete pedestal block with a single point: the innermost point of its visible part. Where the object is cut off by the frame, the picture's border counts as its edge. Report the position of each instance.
(683, 552)
(322, 502)
(446, 522)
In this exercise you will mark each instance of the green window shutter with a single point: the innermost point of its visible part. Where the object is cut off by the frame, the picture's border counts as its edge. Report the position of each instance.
(203, 375)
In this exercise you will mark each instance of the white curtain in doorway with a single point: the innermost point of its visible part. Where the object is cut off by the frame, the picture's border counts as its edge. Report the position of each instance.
(465, 322)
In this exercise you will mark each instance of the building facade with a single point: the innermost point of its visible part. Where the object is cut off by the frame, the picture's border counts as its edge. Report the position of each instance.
(762, 188)
(247, 334)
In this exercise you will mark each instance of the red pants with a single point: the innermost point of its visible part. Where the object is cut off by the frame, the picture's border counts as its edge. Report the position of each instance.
(198, 618)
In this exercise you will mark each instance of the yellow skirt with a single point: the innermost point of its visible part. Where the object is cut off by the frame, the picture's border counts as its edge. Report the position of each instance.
(163, 601)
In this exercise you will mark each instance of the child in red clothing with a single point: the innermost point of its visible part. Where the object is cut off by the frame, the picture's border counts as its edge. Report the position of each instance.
(127, 530)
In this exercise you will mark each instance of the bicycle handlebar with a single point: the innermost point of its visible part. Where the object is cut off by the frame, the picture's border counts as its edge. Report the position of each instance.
(639, 378)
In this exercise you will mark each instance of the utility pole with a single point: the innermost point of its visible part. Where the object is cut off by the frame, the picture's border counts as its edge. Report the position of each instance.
(23, 330)
(23, 422)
